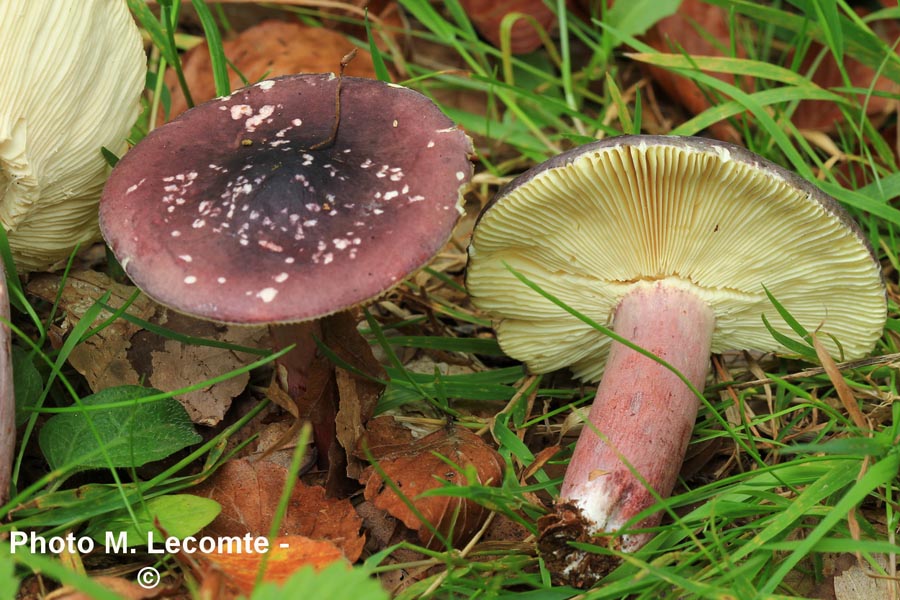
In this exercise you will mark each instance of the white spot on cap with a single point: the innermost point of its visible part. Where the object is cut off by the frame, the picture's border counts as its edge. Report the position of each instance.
(430, 144)
(391, 195)
(281, 277)
(221, 279)
(271, 246)
(240, 110)
(267, 294)
(460, 175)
(190, 279)
(185, 257)
(265, 85)
(176, 233)
(198, 223)
(395, 123)
(253, 122)
(289, 260)
(296, 122)
(135, 186)
(340, 243)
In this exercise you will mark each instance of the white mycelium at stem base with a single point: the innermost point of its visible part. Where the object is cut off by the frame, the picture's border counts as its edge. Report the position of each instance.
(644, 412)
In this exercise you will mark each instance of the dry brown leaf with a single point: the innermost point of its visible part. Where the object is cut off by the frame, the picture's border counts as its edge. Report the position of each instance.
(840, 386)
(277, 442)
(676, 33)
(858, 582)
(286, 555)
(357, 395)
(488, 16)
(269, 49)
(415, 466)
(124, 354)
(819, 115)
(249, 494)
(174, 365)
(384, 531)
(104, 354)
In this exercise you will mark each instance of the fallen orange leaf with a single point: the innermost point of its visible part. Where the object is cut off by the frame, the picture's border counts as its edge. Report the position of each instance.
(286, 555)
(267, 50)
(249, 493)
(417, 465)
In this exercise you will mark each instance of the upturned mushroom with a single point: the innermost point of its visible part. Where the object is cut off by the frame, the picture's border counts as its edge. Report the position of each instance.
(671, 243)
(71, 76)
(277, 204)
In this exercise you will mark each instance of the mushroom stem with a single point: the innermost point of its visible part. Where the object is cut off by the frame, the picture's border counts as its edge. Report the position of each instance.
(644, 413)
(7, 396)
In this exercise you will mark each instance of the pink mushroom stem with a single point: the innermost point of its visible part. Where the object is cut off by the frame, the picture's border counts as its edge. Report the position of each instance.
(642, 409)
(7, 395)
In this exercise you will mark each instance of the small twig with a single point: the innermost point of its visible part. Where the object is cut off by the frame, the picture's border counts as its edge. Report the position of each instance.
(337, 104)
(851, 364)
(462, 553)
(742, 415)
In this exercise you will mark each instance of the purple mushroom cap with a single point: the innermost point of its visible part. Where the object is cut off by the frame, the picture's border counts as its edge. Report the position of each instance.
(237, 212)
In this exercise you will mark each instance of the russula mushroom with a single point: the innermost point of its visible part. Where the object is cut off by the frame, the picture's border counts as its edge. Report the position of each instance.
(71, 75)
(252, 208)
(671, 243)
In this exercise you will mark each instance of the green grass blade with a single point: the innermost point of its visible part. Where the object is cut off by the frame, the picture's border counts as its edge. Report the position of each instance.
(214, 45)
(381, 70)
(880, 474)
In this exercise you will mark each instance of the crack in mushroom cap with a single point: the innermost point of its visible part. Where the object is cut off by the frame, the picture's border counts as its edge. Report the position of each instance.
(591, 224)
(225, 213)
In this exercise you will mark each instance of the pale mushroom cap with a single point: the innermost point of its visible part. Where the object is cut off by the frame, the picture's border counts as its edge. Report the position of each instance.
(71, 75)
(592, 223)
(233, 212)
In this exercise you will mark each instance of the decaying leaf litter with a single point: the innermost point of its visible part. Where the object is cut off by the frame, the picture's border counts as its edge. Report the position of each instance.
(425, 341)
